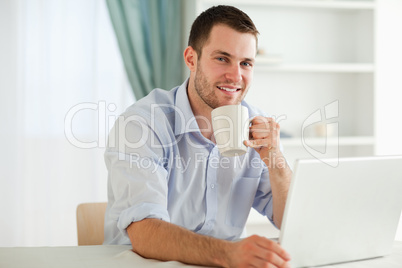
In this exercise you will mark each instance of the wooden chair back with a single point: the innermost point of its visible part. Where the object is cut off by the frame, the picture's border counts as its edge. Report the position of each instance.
(90, 223)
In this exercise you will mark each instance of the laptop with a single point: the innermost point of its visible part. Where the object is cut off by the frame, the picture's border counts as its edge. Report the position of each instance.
(344, 213)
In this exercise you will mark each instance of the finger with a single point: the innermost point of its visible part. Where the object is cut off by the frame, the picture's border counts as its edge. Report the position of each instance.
(264, 139)
(262, 263)
(259, 134)
(274, 259)
(266, 256)
(260, 131)
(260, 143)
(275, 247)
(262, 127)
(261, 120)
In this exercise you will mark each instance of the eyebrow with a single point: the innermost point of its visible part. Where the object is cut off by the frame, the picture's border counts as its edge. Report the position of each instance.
(224, 53)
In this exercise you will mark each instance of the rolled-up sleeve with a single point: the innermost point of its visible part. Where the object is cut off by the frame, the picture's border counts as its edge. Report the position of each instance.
(137, 182)
(263, 199)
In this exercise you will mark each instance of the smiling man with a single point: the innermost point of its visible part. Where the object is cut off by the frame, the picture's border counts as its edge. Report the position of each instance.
(171, 194)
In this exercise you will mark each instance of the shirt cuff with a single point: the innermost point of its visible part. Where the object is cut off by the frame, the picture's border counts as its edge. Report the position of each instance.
(270, 216)
(140, 212)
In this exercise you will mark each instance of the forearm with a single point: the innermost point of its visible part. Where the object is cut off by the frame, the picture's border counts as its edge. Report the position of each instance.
(280, 176)
(264, 138)
(156, 239)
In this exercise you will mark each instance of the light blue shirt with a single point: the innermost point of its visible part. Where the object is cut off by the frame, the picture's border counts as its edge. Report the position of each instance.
(160, 166)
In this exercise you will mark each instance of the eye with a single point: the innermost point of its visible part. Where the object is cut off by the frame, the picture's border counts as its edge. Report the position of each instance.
(221, 59)
(246, 64)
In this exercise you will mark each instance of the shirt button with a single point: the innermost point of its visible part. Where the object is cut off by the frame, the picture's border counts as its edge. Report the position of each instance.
(212, 186)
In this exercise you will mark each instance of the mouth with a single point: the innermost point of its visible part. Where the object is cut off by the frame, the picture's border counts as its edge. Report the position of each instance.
(229, 89)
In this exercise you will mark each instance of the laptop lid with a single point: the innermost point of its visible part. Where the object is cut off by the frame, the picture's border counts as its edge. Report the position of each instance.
(344, 213)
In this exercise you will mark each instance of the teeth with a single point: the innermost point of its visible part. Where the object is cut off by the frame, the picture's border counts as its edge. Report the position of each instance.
(228, 89)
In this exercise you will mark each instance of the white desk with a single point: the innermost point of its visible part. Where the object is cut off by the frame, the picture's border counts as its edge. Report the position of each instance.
(122, 257)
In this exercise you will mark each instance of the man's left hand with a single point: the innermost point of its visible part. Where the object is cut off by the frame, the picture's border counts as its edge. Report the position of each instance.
(264, 138)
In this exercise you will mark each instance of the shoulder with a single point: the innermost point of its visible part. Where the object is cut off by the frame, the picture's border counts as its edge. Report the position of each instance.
(157, 100)
(152, 115)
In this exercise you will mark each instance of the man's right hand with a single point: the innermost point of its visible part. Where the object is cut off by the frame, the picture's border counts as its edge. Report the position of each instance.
(156, 239)
(257, 251)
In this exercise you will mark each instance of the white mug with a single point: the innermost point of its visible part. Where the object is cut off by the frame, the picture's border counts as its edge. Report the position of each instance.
(231, 127)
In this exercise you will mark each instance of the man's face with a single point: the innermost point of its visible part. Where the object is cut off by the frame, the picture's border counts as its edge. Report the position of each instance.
(225, 70)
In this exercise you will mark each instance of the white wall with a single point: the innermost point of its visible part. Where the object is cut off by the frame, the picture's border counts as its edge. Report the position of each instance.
(54, 55)
(9, 93)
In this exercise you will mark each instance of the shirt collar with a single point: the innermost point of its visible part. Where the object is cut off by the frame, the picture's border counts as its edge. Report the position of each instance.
(184, 117)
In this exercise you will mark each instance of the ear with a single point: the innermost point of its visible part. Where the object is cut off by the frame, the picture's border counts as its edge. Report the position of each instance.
(190, 58)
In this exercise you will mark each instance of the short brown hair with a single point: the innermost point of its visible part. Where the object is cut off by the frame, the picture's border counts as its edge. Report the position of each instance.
(222, 14)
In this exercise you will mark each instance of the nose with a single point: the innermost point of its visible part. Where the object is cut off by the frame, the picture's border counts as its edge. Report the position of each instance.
(234, 74)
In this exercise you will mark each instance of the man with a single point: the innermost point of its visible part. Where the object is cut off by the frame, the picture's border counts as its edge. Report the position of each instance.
(170, 191)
